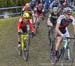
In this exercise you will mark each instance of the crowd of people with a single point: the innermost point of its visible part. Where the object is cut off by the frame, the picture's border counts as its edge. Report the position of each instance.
(60, 16)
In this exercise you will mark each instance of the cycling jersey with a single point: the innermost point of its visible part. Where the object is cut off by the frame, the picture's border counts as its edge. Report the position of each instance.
(53, 18)
(47, 3)
(22, 25)
(39, 12)
(64, 22)
(62, 1)
(32, 5)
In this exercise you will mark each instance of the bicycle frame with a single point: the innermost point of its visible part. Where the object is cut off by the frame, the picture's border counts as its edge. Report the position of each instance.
(66, 46)
(23, 38)
(65, 42)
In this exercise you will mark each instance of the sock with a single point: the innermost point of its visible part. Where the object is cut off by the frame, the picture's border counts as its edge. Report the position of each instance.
(56, 52)
(19, 42)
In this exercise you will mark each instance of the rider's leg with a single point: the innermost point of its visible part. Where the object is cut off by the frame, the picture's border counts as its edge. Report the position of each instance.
(19, 38)
(58, 42)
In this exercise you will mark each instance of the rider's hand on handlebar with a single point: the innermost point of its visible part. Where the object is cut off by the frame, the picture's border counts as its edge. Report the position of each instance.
(63, 36)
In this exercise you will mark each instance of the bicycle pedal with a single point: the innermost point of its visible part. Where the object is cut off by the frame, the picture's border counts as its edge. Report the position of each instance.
(67, 58)
(25, 49)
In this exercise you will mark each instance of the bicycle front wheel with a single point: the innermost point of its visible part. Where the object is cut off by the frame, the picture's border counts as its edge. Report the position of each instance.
(25, 52)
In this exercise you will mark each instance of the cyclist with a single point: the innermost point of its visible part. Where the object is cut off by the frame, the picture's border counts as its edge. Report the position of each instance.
(46, 4)
(27, 8)
(22, 25)
(32, 4)
(38, 11)
(61, 27)
(55, 3)
(62, 5)
(52, 19)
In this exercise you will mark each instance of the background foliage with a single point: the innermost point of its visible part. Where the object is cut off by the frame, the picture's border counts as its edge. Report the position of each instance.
(9, 3)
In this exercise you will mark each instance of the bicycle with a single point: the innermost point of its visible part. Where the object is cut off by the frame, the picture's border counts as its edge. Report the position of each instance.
(65, 52)
(25, 41)
(51, 38)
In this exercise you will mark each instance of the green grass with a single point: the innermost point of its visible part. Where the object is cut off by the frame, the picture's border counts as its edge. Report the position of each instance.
(8, 45)
(73, 14)
(39, 50)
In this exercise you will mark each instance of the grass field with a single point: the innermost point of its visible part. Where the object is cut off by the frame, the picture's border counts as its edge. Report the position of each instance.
(39, 50)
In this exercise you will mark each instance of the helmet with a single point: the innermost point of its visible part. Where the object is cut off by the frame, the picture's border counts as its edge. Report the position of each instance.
(55, 9)
(33, 1)
(27, 5)
(40, 5)
(67, 10)
(26, 15)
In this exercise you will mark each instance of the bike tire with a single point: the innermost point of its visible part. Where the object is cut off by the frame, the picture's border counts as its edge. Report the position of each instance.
(36, 28)
(19, 51)
(63, 56)
(25, 52)
(69, 57)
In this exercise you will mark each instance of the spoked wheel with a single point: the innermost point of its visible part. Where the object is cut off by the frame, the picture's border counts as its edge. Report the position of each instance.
(36, 27)
(19, 51)
(52, 53)
(25, 52)
(66, 57)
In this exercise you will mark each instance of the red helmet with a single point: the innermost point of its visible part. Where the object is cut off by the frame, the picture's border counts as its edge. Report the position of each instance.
(40, 5)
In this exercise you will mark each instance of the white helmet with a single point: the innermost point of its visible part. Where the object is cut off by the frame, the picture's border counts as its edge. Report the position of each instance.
(67, 10)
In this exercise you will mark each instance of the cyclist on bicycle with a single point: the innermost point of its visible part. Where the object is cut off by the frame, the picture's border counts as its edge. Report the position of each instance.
(32, 4)
(25, 19)
(54, 3)
(62, 5)
(27, 8)
(39, 12)
(61, 27)
(52, 19)
(46, 4)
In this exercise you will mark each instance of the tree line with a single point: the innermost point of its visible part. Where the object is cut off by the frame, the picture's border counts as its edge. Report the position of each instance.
(10, 3)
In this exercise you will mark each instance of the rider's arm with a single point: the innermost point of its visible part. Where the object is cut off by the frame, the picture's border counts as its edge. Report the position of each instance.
(74, 28)
(19, 24)
(33, 17)
(48, 21)
(73, 23)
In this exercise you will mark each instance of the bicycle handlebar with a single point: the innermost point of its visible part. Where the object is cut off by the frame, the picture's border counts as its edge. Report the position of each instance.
(70, 37)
